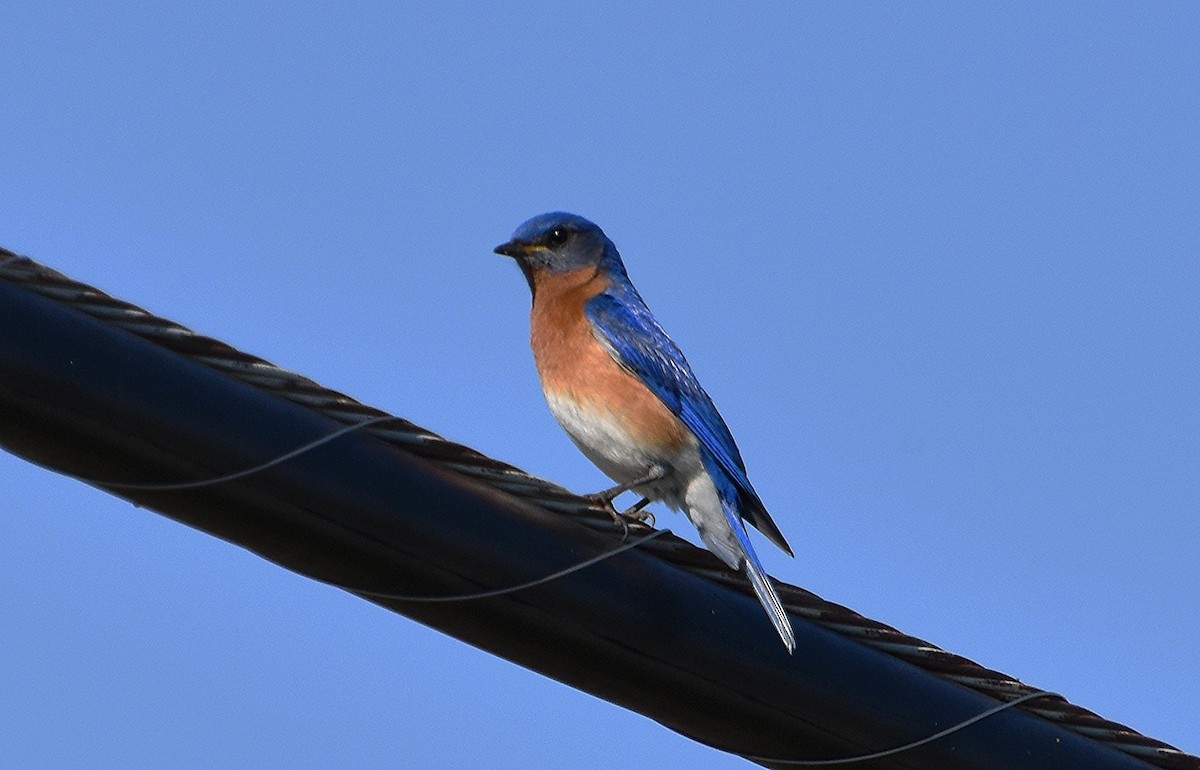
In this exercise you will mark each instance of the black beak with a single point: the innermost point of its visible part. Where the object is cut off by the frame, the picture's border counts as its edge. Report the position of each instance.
(514, 249)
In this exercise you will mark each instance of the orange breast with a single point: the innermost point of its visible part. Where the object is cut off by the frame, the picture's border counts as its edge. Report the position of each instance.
(574, 365)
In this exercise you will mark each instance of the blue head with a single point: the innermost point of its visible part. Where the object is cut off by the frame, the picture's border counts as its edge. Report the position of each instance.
(557, 243)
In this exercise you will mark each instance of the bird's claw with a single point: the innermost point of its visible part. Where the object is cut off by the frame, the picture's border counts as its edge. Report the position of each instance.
(635, 514)
(622, 521)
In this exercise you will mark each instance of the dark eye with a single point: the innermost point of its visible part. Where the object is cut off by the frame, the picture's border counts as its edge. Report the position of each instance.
(557, 237)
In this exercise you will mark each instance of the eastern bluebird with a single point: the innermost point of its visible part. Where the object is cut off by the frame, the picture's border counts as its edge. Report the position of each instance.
(626, 396)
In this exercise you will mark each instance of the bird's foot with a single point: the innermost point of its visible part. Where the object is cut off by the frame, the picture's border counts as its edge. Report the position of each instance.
(637, 512)
(634, 514)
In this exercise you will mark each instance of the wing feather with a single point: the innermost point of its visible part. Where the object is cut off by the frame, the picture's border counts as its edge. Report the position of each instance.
(635, 340)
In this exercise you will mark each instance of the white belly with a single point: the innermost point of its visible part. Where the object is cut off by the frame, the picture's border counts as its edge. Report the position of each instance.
(605, 440)
(686, 487)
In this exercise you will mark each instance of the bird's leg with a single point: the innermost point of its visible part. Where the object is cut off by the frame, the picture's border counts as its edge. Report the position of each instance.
(634, 513)
(607, 496)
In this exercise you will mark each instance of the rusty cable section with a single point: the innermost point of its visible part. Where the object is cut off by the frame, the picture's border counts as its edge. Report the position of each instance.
(468, 462)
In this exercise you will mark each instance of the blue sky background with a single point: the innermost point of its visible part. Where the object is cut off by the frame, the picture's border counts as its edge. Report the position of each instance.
(937, 265)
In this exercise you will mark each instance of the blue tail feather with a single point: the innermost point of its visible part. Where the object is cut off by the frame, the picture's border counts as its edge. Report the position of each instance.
(748, 559)
(761, 583)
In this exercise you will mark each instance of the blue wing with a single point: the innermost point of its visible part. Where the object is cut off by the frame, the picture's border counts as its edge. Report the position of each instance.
(626, 327)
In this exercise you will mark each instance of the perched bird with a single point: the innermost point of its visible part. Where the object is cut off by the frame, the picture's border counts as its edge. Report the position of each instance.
(626, 396)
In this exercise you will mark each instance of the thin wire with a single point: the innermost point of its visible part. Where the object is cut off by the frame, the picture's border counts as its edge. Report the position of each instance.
(166, 487)
(394, 597)
(502, 591)
(908, 746)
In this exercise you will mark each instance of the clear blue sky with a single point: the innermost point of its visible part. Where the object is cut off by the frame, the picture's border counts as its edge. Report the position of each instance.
(937, 265)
